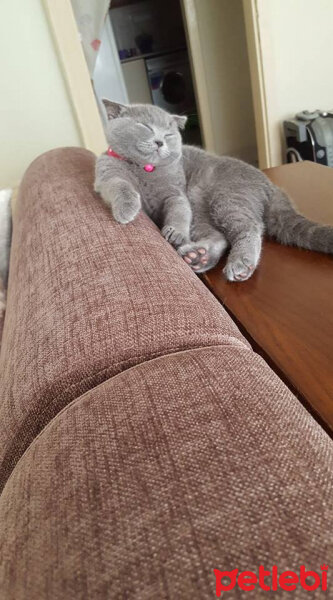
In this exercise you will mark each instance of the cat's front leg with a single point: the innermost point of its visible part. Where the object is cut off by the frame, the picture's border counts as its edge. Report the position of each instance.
(122, 198)
(177, 217)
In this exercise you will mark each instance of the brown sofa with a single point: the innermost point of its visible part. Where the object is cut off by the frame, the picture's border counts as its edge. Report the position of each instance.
(143, 443)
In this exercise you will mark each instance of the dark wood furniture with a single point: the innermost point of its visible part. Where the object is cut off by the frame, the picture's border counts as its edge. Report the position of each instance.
(286, 308)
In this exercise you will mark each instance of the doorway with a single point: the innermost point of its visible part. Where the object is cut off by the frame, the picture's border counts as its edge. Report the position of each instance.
(215, 43)
(150, 44)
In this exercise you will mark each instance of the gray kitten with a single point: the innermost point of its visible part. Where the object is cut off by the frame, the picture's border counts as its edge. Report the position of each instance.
(202, 203)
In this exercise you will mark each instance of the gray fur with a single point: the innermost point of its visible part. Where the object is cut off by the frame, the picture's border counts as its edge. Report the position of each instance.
(202, 203)
(125, 186)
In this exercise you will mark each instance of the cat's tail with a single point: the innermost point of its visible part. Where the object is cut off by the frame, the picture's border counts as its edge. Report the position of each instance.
(287, 226)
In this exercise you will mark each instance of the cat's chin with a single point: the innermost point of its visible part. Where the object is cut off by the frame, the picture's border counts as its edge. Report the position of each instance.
(160, 161)
(155, 158)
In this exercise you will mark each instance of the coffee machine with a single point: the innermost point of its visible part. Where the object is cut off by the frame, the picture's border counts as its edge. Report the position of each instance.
(309, 136)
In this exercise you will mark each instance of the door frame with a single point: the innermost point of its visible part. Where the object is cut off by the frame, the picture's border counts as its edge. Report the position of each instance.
(198, 72)
(76, 74)
(254, 48)
(258, 82)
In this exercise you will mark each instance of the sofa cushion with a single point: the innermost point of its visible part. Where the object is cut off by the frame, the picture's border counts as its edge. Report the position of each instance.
(188, 463)
(88, 298)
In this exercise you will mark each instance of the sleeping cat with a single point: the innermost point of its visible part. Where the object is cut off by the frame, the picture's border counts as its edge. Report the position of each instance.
(202, 203)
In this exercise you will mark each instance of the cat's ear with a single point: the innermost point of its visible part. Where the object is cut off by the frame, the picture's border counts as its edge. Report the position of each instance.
(113, 109)
(181, 121)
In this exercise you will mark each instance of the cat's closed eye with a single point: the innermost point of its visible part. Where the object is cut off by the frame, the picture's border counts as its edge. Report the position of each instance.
(146, 126)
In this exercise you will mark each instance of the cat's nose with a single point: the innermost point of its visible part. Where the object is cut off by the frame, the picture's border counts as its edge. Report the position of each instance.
(158, 143)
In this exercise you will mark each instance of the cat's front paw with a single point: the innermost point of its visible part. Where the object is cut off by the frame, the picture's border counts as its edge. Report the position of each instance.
(174, 237)
(126, 208)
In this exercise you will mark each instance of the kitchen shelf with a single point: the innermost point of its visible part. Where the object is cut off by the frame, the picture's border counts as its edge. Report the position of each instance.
(152, 54)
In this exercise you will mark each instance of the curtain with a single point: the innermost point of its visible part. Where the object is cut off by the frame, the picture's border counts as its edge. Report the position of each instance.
(90, 16)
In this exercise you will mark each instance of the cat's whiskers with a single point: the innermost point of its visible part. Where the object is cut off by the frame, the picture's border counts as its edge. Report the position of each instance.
(145, 148)
(163, 152)
(148, 149)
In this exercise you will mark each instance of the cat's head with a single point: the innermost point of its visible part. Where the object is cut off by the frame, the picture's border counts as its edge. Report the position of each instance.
(144, 133)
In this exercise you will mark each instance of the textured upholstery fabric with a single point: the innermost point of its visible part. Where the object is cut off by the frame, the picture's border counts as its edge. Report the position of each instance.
(143, 444)
(146, 484)
(88, 298)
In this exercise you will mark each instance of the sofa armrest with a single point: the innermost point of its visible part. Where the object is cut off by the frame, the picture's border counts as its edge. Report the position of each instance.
(88, 298)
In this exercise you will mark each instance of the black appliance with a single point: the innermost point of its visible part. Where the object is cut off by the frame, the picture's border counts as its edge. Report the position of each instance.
(310, 137)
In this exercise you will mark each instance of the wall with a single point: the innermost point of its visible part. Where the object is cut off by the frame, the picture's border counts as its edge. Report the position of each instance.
(224, 71)
(296, 39)
(35, 110)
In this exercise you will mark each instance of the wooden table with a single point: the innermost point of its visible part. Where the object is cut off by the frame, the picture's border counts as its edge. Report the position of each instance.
(286, 308)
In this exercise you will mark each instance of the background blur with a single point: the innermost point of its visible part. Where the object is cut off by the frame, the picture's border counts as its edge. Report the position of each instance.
(39, 109)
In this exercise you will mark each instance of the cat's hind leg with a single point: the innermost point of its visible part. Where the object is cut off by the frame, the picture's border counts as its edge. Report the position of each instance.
(204, 253)
(245, 238)
(239, 216)
(243, 257)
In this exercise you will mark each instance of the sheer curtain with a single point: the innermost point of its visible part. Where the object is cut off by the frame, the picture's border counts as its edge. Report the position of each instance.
(90, 16)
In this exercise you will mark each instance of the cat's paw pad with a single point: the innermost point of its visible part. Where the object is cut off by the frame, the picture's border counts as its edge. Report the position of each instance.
(174, 237)
(239, 270)
(197, 257)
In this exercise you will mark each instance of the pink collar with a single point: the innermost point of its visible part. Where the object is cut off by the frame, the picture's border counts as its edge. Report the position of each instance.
(148, 168)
